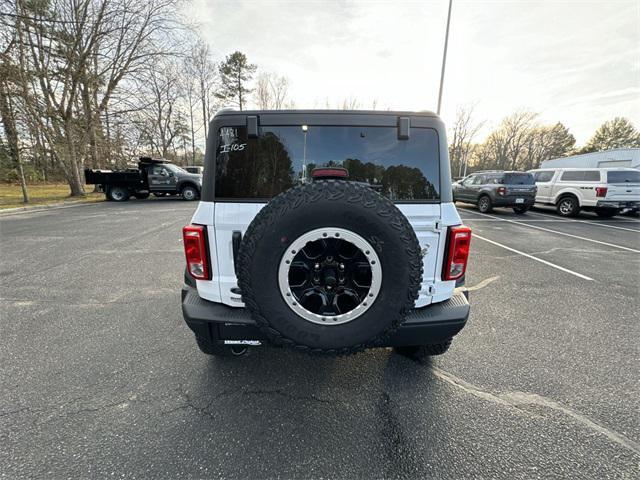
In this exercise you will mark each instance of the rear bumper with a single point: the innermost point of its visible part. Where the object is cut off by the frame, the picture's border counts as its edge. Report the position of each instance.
(511, 201)
(423, 326)
(618, 204)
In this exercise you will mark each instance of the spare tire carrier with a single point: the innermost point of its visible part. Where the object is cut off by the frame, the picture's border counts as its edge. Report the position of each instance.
(330, 276)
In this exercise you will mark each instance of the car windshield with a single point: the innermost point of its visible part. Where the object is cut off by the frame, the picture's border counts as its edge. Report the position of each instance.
(284, 156)
(517, 178)
(623, 176)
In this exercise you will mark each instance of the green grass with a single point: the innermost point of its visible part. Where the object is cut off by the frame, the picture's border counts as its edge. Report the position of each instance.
(11, 195)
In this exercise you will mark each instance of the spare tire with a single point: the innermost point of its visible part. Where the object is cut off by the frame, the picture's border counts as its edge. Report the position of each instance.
(330, 266)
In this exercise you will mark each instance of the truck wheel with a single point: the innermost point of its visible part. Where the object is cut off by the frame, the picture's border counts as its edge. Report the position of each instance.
(420, 352)
(189, 193)
(484, 204)
(118, 194)
(607, 212)
(141, 195)
(568, 206)
(345, 264)
(212, 348)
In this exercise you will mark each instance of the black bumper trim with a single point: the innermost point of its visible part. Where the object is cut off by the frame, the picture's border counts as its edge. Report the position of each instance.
(511, 202)
(430, 324)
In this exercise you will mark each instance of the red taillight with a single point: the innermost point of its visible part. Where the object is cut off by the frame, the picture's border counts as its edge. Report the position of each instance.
(330, 172)
(457, 252)
(195, 250)
(502, 190)
(601, 191)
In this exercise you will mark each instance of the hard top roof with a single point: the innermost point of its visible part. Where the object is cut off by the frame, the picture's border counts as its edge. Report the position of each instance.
(231, 111)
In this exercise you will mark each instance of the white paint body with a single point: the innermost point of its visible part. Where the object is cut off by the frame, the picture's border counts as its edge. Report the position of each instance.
(429, 221)
(551, 186)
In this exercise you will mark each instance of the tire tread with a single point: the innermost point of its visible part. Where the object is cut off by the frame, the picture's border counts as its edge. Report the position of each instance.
(333, 190)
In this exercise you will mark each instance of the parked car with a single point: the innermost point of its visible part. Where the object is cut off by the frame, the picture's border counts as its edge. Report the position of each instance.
(496, 188)
(152, 176)
(606, 191)
(327, 232)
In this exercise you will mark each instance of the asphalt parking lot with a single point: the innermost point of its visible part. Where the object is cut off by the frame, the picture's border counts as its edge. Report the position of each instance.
(100, 377)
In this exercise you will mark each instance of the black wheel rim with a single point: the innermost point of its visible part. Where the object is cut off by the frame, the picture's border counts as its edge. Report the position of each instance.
(330, 276)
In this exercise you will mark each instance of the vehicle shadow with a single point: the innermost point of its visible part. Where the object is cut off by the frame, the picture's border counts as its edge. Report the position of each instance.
(318, 414)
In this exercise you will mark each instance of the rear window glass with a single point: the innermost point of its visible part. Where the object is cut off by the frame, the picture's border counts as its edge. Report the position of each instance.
(518, 179)
(581, 176)
(284, 156)
(624, 176)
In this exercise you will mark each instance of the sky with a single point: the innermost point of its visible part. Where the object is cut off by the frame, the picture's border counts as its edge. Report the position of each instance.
(577, 62)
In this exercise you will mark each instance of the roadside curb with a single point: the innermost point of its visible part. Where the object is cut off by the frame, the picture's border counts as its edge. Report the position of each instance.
(38, 208)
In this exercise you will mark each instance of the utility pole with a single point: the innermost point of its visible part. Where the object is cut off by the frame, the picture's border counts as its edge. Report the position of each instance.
(444, 57)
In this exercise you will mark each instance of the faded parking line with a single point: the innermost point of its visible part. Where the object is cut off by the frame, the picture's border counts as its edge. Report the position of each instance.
(545, 262)
(500, 220)
(556, 232)
(590, 222)
(518, 400)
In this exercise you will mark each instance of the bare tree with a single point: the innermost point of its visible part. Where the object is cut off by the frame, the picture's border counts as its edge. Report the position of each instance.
(504, 146)
(464, 130)
(521, 143)
(158, 117)
(204, 70)
(190, 90)
(7, 115)
(544, 143)
(272, 92)
(8, 109)
(73, 55)
(350, 103)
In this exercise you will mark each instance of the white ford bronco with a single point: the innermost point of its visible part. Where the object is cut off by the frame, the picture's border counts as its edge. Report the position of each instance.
(327, 232)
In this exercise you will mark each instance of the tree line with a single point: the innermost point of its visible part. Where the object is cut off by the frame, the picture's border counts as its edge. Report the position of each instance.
(96, 83)
(522, 142)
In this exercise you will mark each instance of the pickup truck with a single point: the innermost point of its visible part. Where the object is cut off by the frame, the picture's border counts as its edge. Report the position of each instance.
(152, 176)
(605, 191)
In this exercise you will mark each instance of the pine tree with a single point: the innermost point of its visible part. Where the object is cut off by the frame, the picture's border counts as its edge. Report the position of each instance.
(616, 133)
(235, 73)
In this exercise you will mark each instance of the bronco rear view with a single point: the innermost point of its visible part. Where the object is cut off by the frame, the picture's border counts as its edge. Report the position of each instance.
(328, 232)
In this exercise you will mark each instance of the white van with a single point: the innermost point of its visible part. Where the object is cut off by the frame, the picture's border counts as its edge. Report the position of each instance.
(606, 191)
